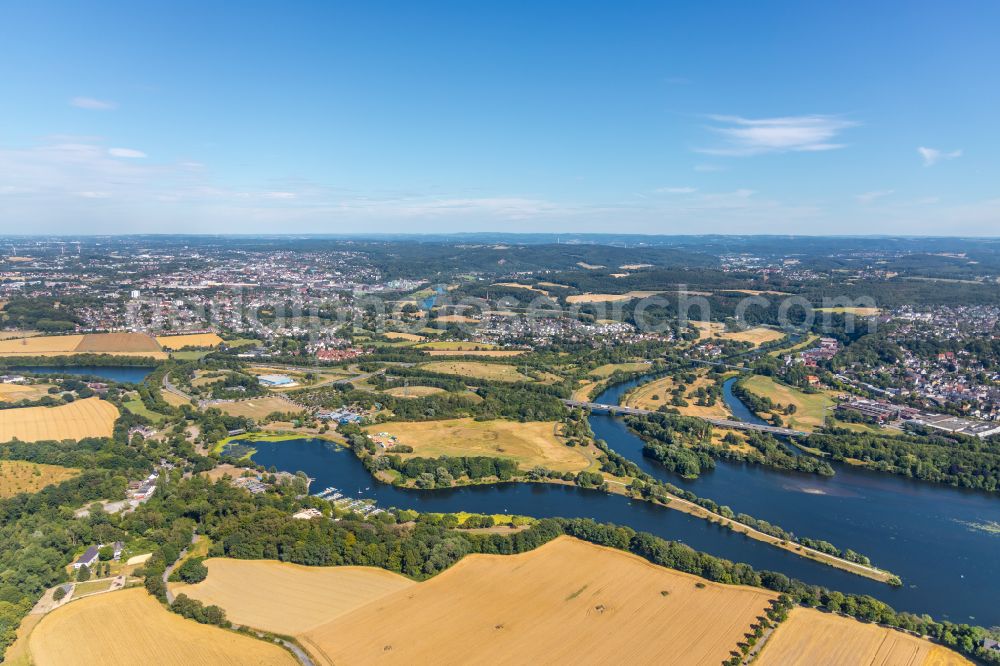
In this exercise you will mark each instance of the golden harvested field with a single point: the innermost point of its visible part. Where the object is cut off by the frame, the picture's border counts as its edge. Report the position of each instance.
(490, 353)
(36, 344)
(413, 391)
(566, 602)
(190, 340)
(532, 443)
(19, 476)
(609, 369)
(756, 336)
(475, 370)
(290, 598)
(810, 637)
(91, 417)
(256, 408)
(173, 399)
(131, 627)
(18, 392)
(518, 285)
(458, 319)
(657, 393)
(811, 409)
(409, 337)
(118, 344)
(456, 345)
(861, 312)
(606, 298)
(584, 392)
(9, 335)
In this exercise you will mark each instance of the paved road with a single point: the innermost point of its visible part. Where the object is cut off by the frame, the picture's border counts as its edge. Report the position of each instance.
(722, 423)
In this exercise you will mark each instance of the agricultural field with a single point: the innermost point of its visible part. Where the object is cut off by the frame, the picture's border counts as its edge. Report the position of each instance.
(131, 627)
(568, 602)
(518, 285)
(19, 476)
(657, 393)
(496, 353)
(456, 319)
(118, 344)
(173, 342)
(810, 408)
(532, 443)
(289, 598)
(98, 343)
(810, 636)
(9, 335)
(413, 391)
(91, 417)
(755, 336)
(861, 312)
(610, 298)
(173, 399)
(19, 392)
(497, 372)
(406, 337)
(609, 369)
(456, 345)
(256, 408)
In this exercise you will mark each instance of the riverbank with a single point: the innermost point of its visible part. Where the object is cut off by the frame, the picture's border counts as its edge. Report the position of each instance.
(621, 485)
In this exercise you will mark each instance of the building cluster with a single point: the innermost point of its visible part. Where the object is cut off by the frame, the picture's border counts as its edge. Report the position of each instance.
(342, 415)
(826, 349)
(537, 332)
(91, 556)
(140, 491)
(257, 483)
(885, 412)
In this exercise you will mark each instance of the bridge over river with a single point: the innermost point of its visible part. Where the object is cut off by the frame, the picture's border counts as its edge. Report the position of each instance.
(617, 410)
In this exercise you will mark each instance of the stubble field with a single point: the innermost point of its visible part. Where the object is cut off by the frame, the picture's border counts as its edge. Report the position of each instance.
(19, 476)
(810, 637)
(130, 627)
(490, 371)
(530, 444)
(90, 417)
(566, 602)
(289, 598)
(189, 340)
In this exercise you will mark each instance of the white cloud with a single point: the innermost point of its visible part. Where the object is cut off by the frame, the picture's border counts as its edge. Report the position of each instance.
(932, 156)
(676, 190)
(92, 104)
(748, 136)
(91, 194)
(279, 195)
(126, 152)
(868, 197)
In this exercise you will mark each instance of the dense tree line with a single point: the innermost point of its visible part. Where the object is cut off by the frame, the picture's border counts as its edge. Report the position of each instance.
(968, 462)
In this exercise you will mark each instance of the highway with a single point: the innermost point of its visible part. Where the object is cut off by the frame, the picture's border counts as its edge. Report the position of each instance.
(617, 410)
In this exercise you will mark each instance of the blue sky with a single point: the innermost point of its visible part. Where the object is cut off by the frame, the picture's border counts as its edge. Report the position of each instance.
(700, 117)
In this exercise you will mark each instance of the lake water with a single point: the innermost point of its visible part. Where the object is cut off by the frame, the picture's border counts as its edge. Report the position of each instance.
(117, 373)
(919, 531)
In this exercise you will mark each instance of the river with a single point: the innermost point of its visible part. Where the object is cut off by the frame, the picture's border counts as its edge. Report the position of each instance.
(917, 530)
(922, 532)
